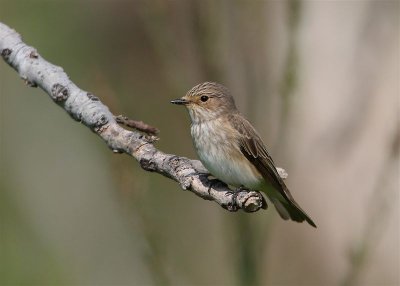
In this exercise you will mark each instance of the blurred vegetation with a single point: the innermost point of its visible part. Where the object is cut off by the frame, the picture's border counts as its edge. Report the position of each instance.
(74, 213)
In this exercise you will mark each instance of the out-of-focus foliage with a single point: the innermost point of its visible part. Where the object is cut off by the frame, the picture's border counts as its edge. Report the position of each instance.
(319, 80)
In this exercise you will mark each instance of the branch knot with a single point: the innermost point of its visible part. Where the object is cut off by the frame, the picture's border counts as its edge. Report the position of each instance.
(147, 164)
(59, 92)
(5, 53)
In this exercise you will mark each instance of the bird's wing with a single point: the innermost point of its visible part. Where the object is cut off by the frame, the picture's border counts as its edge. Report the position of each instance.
(254, 150)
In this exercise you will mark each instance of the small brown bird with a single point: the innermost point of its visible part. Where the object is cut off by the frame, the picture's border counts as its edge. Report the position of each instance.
(231, 149)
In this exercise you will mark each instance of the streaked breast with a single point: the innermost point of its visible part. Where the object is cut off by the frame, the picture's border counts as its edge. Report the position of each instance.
(217, 146)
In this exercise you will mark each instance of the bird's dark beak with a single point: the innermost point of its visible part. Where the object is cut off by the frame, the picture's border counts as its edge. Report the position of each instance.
(180, 101)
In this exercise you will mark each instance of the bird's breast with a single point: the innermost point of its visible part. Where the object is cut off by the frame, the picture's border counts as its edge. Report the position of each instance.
(216, 143)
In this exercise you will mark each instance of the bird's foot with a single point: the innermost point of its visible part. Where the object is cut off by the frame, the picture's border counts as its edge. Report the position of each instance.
(232, 204)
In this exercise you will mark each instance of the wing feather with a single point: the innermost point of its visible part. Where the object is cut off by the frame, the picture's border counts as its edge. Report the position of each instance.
(255, 151)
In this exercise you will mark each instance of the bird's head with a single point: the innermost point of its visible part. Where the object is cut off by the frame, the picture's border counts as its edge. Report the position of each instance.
(207, 101)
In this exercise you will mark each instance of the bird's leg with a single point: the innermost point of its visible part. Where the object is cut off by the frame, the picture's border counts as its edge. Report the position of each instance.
(213, 182)
(237, 192)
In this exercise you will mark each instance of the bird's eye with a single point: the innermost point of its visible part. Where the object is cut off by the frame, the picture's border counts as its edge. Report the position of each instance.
(204, 98)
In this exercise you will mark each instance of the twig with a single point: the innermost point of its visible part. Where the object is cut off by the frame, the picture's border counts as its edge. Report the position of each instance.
(89, 110)
(138, 125)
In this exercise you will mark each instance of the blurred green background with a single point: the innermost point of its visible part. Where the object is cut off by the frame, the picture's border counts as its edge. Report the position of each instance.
(318, 79)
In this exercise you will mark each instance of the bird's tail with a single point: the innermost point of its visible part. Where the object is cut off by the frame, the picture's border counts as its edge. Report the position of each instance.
(288, 210)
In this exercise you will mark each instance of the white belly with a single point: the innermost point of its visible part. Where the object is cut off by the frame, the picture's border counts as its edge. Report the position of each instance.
(221, 155)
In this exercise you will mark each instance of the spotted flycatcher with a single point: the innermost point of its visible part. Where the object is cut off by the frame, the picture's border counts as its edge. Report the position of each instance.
(231, 149)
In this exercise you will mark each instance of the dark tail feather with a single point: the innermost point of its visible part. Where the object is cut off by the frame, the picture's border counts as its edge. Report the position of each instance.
(288, 210)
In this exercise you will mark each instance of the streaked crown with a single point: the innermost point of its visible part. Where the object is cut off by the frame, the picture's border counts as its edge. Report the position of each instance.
(209, 100)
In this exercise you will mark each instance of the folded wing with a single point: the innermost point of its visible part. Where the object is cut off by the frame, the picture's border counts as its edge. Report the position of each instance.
(254, 150)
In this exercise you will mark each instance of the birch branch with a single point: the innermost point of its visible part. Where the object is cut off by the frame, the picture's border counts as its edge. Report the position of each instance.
(86, 108)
